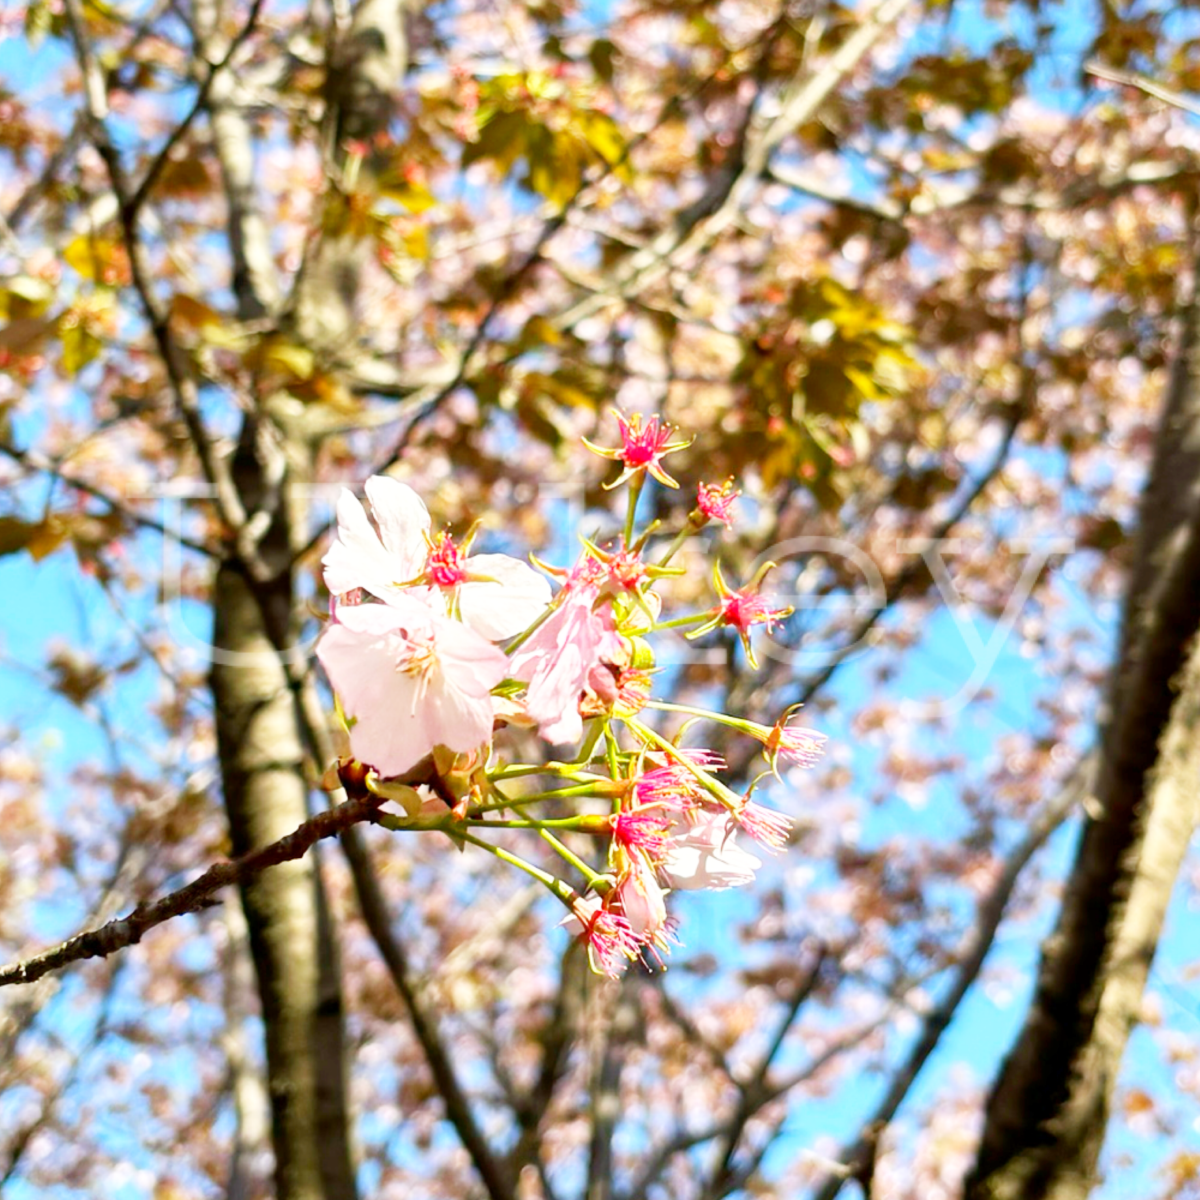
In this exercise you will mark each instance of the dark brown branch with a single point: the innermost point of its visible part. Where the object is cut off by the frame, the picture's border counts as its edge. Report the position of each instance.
(155, 169)
(859, 1158)
(458, 1107)
(753, 1093)
(128, 931)
(896, 586)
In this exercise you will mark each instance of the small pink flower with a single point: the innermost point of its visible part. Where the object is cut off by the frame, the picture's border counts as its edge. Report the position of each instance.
(765, 825)
(714, 501)
(411, 680)
(610, 939)
(704, 854)
(626, 571)
(645, 830)
(643, 902)
(742, 609)
(642, 448)
(557, 659)
(803, 747)
(674, 785)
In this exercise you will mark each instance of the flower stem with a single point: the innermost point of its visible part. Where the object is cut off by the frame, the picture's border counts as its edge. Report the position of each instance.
(562, 890)
(714, 786)
(571, 857)
(679, 622)
(635, 491)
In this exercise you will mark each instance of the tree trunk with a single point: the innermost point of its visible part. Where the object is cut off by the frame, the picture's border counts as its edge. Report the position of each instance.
(1047, 1114)
(266, 797)
(259, 739)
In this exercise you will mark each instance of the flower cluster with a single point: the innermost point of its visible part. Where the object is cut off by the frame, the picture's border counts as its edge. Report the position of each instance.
(432, 651)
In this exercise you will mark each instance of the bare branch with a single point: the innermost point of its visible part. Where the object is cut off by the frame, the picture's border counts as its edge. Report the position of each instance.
(183, 387)
(199, 102)
(753, 1091)
(34, 461)
(128, 931)
(1143, 84)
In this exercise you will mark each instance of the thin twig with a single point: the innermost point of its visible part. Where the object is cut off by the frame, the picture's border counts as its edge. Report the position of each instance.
(858, 1159)
(143, 189)
(34, 461)
(1143, 84)
(183, 387)
(127, 931)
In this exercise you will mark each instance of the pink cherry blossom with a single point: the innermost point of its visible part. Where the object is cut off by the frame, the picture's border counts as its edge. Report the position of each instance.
(674, 784)
(610, 939)
(644, 830)
(642, 900)
(765, 825)
(741, 609)
(498, 596)
(714, 501)
(803, 747)
(557, 658)
(410, 679)
(642, 448)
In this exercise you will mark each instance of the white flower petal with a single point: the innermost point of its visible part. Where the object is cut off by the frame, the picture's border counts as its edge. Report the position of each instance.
(357, 558)
(512, 599)
(399, 715)
(403, 522)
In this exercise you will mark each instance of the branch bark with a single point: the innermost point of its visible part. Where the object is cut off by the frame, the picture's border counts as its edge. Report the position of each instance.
(1046, 1115)
(128, 931)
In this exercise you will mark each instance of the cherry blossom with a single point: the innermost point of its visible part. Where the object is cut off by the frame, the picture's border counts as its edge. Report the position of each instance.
(643, 902)
(703, 853)
(714, 501)
(610, 939)
(642, 448)
(497, 595)
(409, 679)
(741, 609)
(558, 657)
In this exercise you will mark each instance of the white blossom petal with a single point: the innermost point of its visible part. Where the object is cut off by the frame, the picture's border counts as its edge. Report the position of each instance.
(403, 522)
(512, 597)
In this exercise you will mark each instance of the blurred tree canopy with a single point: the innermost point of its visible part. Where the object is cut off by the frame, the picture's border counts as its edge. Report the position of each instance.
(919, 275)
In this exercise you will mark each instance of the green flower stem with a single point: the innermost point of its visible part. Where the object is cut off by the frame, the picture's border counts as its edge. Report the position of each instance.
(689, 530)
(720, 718)
(571, 857)
(679, 622)
(522, 638)
(601, 790)
(635, 491)
(584, 823)
(562, 890)
(520, 770)
(441, 823)
(711, 785)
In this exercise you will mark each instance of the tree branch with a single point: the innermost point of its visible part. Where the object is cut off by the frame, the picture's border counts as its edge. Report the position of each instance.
(33, 461)
(183, 387)
(128, 931)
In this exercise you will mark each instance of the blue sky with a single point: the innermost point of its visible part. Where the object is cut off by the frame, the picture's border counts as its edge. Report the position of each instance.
(50, 602)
